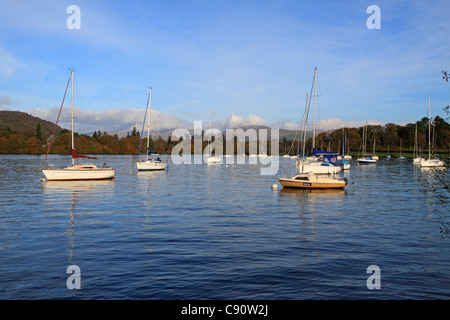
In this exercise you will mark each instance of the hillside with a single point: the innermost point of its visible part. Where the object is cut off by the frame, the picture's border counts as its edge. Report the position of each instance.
(21, 122)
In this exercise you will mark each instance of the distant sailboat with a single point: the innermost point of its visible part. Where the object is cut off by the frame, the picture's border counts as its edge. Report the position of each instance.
(87, 171)
(212, 158)
(152, 162)
(344, 164)
(401, 157)
(417, 158)
(375, 157)
(365, 159)
(436, 161)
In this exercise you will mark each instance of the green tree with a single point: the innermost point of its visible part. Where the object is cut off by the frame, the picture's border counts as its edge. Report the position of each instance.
(39, 131)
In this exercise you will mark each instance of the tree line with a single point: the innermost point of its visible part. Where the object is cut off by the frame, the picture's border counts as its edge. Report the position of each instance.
(384, 139)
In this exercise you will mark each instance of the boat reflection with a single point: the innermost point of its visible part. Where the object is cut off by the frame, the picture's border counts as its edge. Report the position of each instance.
(64, 198)
(313, 192)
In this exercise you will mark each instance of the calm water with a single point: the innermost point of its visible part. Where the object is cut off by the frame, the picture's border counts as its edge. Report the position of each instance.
(218, 232)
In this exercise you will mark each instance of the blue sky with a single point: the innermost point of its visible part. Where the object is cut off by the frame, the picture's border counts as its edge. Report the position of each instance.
(251, 62)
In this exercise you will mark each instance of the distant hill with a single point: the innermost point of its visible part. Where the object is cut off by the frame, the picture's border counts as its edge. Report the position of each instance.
(21, 122)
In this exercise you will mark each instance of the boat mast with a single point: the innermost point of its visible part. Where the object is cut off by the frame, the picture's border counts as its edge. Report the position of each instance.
(415, 143)
(429, 129)
(73, 144)
(314, 124)
(148, 122)
(364, 142)
(210, 127)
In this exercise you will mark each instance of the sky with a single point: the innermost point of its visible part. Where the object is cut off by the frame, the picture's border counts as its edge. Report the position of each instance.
(248, 62)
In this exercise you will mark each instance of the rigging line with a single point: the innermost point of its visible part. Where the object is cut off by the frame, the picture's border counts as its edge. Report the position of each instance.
(56, 124)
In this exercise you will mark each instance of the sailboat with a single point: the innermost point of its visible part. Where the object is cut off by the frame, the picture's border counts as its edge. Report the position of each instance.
(401, 157)
(307, 179)
(87, 171)
(212, 158)
(431, 162)
(365, 159)
(344, 164)
(374, 157)
(417, 158)
(388, 155)
(321, 162)
(152, 162)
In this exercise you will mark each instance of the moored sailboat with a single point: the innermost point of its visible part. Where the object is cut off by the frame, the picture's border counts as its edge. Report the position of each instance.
(152, 162)
(86, 171)
(435, 161)
(365, 159)
(310, 180)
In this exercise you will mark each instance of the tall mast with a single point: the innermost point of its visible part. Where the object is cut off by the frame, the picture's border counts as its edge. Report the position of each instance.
(429, 129)
(148, 122)
(73, 144)
(314, 125)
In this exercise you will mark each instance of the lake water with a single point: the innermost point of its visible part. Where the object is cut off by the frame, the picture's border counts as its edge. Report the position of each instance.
(219, 232)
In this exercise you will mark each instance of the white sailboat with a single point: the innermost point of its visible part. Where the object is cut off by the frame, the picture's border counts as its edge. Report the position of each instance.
(152, 161)
(436, 161)
(212, 159)
(374, 157)
(365, 159)
(343, 163)
(401, 157)
(320, 162)
(417, 158)
(87, 171)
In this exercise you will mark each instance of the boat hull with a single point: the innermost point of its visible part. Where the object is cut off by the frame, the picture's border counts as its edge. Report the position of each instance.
(151, 166)
(432, 163)
(367, 161)
(78, 174)
(213, 160)
(291, 183)
(312, 181)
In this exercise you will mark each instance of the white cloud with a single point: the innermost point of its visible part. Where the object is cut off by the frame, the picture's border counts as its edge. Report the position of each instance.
(8, 65)
(126, 119)
(4, 102)
(108, 120)
(335, 123)
(235, 121)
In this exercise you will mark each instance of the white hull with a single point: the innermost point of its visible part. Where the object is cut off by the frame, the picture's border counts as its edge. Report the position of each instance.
(213, 160)
(432, 163)
(347, 157)
(317, 167)
(366, 161)
(345, 166)
(418, 160)
(312, 181)
(151, 165)
(79, 172)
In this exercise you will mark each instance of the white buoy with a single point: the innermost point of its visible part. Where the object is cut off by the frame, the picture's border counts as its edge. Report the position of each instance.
(274, 186)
